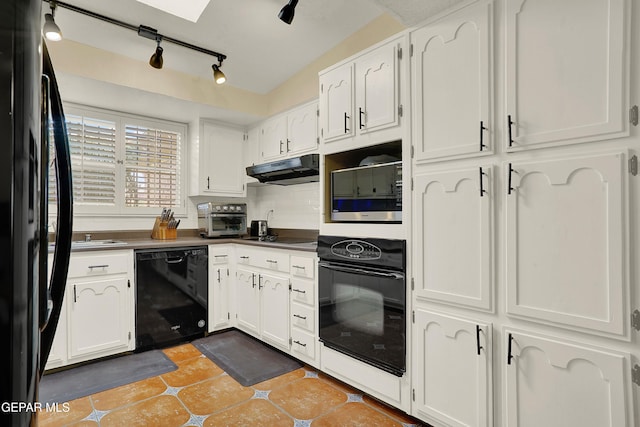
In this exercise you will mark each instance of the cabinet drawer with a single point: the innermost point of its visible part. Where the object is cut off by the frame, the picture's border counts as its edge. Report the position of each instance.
(303, 317)
(264, 258)
(100, 264)
(302, 266)
(219, 258)
(303, 291)
(219, 254)
(303, 344)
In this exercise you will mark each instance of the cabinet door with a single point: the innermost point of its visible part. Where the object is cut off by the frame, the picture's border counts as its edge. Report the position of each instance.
(376, 80)
(565, 84)
(336, 104)
(248, 300)
(273, 138)
(452, 80)
(251, 152)
(218, 307)
(453, 247)
(98, 320)
(222, 162)
(566, 252)
(553, 383)
(302, 129)
(452, 376)
(275, 309)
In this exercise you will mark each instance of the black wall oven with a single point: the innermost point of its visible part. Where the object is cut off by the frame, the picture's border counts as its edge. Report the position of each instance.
(362, 299)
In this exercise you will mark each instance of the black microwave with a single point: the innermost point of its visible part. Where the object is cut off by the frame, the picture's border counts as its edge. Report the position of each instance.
(370, 193)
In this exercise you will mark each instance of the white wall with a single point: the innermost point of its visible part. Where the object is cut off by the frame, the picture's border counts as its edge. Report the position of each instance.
(294, 206)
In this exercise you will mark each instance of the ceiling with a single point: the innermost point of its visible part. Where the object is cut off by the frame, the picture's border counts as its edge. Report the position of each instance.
(262, 51)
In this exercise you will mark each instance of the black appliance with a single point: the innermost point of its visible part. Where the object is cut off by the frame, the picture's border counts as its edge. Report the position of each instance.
(171, 296)
(30, 107)
(362, 299)
(297, 170)
(370, 193)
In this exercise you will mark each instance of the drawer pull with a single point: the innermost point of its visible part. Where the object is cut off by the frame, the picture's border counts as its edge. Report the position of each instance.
(223, 256)
(299, 343)
(299, 290)
(91, 267)
(244, 257)
(300, 317)
(272, 261)
(298, 266)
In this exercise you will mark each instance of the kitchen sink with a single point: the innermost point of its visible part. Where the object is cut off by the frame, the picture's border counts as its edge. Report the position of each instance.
(82, 244)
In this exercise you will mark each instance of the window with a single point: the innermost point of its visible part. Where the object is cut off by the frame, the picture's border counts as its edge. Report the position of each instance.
(123, 164)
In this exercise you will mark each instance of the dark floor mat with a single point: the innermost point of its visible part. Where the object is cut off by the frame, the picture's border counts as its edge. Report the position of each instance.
(88, 379)
(245, 359)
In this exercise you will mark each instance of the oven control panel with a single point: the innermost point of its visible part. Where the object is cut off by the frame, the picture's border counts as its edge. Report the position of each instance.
(356, 249)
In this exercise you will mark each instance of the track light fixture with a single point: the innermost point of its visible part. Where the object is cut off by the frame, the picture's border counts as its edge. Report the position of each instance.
(287, 12)
(156, 60)
(50, 29)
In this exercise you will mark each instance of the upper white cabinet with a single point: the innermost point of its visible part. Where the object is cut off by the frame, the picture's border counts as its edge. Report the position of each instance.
(251, 152)
(362, 95)
(220, 159)
(453, 236)
(451, 84)
(290, 134)
(566, 68)
(551, 382)
(566, 224)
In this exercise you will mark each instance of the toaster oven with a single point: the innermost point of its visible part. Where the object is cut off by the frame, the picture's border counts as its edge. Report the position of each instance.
(222, 220)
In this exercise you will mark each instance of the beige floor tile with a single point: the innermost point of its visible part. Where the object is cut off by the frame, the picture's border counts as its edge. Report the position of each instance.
(253, 413)
(78, 410)
(182, 353)
(214, 395)
(192, 371)
(280, 381)
(161, 411)
(355, 414)
(307, 398)
(128, 394)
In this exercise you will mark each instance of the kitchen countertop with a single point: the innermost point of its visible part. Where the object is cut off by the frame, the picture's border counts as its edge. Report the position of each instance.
(290, 243)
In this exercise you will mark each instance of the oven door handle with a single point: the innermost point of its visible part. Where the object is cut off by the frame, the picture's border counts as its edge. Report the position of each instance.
(361, 271)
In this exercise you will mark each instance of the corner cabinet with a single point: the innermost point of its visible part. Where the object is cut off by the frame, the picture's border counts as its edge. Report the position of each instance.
(362, 95)
(220, 161)
(294, 132)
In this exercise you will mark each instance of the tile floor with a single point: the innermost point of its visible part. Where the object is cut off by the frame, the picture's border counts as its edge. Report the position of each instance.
(199, 393)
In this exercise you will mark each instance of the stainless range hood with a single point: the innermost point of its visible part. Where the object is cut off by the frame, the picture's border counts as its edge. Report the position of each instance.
(298, 170)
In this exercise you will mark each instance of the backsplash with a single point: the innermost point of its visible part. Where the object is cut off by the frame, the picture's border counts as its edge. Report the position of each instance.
(293, 206)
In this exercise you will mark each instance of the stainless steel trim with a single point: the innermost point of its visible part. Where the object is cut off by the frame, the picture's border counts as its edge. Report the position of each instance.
(386, 216)
(360, 271)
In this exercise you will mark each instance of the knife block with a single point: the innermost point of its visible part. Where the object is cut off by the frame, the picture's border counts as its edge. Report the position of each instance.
(162, 232)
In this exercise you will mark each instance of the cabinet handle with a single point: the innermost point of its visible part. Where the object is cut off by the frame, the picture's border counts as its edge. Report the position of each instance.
(75, 296)
(482, 190)
(218, 275)
(300, 317)
(271, 261)
(280, 146)
(288, 149)
(299, 343)
(253, 280)
(91, 267)
(299, 291)
(509, 123)
(208, 183)
(511, 171)
(360, 113)
(478, 346)
(298, 266)
(244, 257)
(260, 281)
(346, 129)
(221, 256)
(482, 129)
(509, 355)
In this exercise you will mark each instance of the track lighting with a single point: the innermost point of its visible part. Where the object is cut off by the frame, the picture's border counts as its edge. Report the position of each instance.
(287, 12)
(218, 75)
(156, 59)
(50, 29)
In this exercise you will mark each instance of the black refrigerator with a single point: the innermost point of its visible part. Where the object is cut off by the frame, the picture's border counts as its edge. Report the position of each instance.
(30, 115)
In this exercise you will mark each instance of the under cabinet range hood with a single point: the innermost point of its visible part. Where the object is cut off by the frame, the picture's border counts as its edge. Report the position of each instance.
(297, 170)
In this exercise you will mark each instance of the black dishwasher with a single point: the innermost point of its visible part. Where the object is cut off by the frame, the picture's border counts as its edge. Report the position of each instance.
(171, 296)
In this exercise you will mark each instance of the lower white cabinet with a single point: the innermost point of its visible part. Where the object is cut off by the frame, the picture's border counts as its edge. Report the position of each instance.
(219, 315)
(97, 317)
(304, 318)
(555, 383)
(452, 370)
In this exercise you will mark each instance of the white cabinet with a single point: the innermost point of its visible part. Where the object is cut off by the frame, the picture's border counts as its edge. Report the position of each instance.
(566, 68)
(251, 152)
(553, 382)
(292, 133)
(262, 294)
(565, 236)
(361, 95)
(220, 159)
(452, 371)
(99, 304)
(453, 248)
(219, 316)
(304, 320)
(452, 81)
